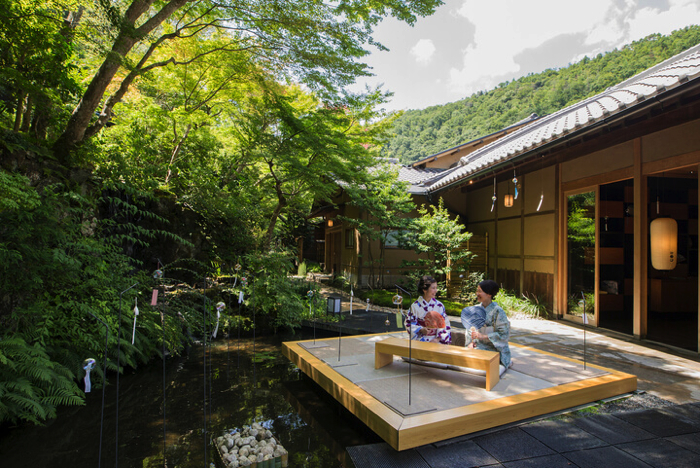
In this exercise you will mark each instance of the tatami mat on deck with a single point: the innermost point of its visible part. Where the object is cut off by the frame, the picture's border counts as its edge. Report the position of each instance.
(447, 389)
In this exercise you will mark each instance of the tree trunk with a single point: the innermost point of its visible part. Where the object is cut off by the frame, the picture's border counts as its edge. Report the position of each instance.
(19, 111)
(129, 35)
(27, 114)
(175, 153)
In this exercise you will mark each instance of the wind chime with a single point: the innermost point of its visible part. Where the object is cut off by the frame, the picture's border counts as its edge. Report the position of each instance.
(397, 300)
(494, 197)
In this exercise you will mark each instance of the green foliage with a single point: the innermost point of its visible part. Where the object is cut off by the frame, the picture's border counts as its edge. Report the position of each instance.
(35, 66)
(312, 267)
(440, 240)
(418, 134)
(15, 193)
(32, 386)
(271, 291)
(529, 306)
(469, 285)
(62, 271)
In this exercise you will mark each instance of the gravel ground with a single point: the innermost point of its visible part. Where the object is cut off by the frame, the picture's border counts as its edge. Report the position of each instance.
(638, 401)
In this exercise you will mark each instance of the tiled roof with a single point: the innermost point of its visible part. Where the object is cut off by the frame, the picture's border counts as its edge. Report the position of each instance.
(527, 120)
(650, 83)
(418, 177)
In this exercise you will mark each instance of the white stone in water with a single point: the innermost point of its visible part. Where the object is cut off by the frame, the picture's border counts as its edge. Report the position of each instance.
(272, 443)
(254, 433)
(220, 440)
(279, 451)
(257, 426)
(233, 464)
(244, 462)
(224, 449)
(267, 451)
(230, 443)
(260, 458)
(253, 458)
(229, 457)
(268, 434)
(244, 451)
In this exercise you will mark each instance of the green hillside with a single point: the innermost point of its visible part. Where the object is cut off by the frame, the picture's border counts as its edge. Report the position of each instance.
(420, 133)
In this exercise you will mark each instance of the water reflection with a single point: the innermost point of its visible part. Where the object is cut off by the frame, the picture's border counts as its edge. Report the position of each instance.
(245, 388)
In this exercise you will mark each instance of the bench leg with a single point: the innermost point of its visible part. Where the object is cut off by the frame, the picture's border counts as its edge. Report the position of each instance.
(384, 359)
(492, 375)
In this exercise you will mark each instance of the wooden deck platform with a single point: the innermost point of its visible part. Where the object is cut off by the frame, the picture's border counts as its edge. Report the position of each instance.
(411, 405)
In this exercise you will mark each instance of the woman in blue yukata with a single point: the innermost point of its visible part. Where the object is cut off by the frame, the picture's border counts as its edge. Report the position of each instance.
(496, 331)
(426, 319)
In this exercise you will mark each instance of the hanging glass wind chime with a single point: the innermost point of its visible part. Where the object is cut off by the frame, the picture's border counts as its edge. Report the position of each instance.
(494, 197)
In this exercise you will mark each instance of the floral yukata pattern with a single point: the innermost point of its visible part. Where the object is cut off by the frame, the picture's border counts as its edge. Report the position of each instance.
(415, 320)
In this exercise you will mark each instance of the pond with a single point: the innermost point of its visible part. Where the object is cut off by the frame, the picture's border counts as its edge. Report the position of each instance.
(251, 381)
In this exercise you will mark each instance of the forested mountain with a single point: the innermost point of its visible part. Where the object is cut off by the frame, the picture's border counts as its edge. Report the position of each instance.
(421, 133)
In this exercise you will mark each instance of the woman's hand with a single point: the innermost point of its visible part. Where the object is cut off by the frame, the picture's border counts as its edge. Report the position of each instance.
(479, 336)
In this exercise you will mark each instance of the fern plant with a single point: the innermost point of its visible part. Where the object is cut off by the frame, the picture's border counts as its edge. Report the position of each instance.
(32, 386)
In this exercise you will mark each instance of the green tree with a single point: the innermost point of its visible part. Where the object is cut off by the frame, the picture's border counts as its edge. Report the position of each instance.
(304, 149)
(440, 241)
(303, 40)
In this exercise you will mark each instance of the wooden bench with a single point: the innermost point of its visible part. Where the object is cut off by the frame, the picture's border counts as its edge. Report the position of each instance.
(384, 352)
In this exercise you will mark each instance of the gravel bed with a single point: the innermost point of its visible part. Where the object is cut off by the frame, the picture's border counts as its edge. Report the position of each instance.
(638, 401)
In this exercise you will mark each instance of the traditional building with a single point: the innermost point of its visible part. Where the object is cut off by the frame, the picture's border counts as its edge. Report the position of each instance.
(566, 202)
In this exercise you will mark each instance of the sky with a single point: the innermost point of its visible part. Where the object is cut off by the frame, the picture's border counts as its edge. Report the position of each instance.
(470, 45)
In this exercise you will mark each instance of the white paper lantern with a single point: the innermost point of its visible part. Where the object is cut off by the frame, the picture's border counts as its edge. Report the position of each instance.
(664, 243)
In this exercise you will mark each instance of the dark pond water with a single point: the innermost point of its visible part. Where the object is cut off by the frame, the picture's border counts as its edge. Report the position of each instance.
(250, 382)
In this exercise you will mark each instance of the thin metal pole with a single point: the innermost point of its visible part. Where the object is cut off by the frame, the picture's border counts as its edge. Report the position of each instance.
(104, 385)
(410, 358)
(252, 292)
(162, 320)
(585, 319)
(119, 334)
(204, 371)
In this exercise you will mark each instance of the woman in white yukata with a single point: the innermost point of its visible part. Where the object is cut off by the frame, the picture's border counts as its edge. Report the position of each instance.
(416, 318)
(497, 325)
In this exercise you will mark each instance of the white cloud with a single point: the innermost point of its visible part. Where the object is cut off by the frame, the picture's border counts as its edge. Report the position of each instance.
(423, 51)
(472, 45)
(650, 21)
(504, 28)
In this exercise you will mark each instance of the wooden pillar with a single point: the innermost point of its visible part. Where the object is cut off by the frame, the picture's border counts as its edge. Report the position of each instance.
(640, 280)
(560, 274)
(522, 237)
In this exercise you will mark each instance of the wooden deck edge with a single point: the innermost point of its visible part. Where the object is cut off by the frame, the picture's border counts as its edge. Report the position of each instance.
(434, 427)
(410, 432)
(377, 416)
